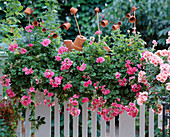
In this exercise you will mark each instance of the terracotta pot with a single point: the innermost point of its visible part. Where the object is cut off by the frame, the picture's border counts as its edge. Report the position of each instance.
(78, 43)
(119, 23)
(104, 23)
(35, 23)
(44, 30)
(66, 26)
(27, 10)
(73, 10)
(128, 15)
(134, 8)
(132, 19)
(54, 35)
(68, 44)
(96, 10)
(106, 48)
(115, 27)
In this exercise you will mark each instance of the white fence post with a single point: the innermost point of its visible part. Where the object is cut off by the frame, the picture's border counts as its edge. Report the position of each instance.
(27, 123)
(112, 127)
(151, 123)
(56, 118)
(94, 124)
(126, 125)
(103, 128)
(84, 120)
(43, 111)
(75, 126)
(142, 121)
(66, 120)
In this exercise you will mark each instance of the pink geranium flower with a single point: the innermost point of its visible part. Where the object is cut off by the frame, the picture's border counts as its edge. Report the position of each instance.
(13, 47)
(30, 45)
(85, 100)
(154, 42)
(23, 51)
(82, 68)
(46, 42)
(117, 75)
(67, 86)
(50, 94)
(10, 93)
(100, 59)
(98, 32)
(58, 58)
(26, 100)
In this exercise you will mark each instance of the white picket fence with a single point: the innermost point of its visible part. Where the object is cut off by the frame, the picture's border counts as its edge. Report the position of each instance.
(126, 123)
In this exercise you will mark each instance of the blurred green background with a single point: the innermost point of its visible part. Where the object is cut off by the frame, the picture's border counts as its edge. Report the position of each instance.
(152, 16)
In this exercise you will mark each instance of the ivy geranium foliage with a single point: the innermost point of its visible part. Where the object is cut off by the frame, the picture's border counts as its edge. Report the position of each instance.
(109, 82)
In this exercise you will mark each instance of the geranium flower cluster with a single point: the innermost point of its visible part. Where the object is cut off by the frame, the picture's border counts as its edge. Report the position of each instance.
(82, 68)
(13, 47)
(10, 93)
(46, 42)
(97, 103)
(143, 97)
(66, 64)
(62, 49)
(25, 100)
(27, 71)
(158, 109)
(73, 106)
(152, 58)
(100, 59)
(56, 81)
(23, 51)
(109, 113)
(136, 87)
(89, 82)
(5, 81)
(142, 77)
(104, 91)
(67, 86)
(130, 70)
(29, 28)
(131, 110)
(48, 74)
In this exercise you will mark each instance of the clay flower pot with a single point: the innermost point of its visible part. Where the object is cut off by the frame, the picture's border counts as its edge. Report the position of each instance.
(78, 43)
(128, 15)
(134, 8)
(96, 10)
(104, 23)
(66, 26)
(35, 23)
(132, 19)
(106, 48)
(73, 10)
(54, 35)
(44, 30)
(119, 23)
(68, 44)
(115, 27)
(27, 10)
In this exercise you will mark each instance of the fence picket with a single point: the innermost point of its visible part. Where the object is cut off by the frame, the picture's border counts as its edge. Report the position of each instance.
(142, 121)
(19, 128)
(84, 120)
(112, 128)
(126, 125)
(75, 126)
(1, 88)
(103, 128)
(160, 119)
(66, 120)
(151, 123)
(27, 123)
(94, 124)
(56, 118)
(43, 111)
